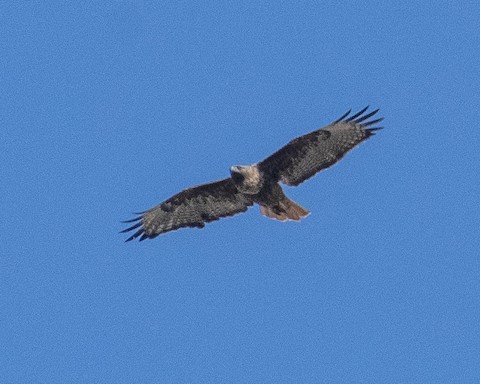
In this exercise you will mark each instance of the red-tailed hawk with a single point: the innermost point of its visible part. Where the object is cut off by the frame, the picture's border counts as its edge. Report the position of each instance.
(296, 162)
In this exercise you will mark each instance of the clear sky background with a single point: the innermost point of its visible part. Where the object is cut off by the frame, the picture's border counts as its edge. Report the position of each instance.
(107, 108)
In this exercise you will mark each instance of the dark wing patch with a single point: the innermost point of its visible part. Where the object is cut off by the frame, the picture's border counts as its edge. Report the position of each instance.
(306, 155)
(192, 207)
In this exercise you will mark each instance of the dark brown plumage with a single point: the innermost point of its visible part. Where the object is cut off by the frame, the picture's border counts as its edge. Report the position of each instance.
(296, 162)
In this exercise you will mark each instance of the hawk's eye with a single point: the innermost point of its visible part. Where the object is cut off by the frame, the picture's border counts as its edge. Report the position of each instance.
(237, 177)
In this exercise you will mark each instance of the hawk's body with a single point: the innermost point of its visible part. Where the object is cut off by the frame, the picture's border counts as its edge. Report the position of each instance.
(296, 162)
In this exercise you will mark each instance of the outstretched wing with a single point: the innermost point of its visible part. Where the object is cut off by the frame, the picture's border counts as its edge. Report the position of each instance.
(306, 155)
(192, 207)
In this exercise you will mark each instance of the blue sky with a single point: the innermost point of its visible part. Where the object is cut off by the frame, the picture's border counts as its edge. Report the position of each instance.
(109, 108)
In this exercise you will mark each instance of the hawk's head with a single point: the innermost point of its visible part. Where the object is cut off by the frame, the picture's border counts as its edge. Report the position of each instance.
(247, 178)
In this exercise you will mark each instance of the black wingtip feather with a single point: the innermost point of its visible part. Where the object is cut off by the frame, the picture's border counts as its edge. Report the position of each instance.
(342, 117)
(360, 119)
(368, 115)
(372, 131)
(368, 123)
(136, 225)
(357, 114)
(136, 234)
(131, 220)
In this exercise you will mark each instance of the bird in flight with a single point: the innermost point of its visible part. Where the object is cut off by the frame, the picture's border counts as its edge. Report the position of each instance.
(259, 183)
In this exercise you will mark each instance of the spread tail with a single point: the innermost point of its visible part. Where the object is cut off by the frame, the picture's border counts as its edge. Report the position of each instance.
(285, 210)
